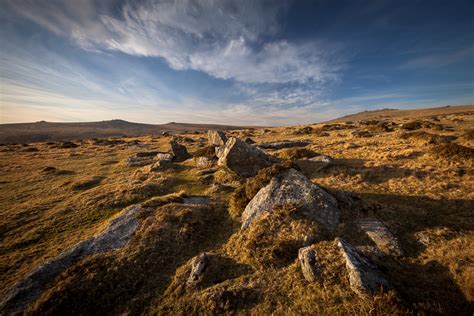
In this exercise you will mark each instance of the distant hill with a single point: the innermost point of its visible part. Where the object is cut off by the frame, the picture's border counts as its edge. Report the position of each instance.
(395, 113)
(47, 131)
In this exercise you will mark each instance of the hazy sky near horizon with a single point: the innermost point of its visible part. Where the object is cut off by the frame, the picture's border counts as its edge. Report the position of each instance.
(232, 61)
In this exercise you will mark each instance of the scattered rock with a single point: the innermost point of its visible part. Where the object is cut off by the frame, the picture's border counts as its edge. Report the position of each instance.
(216, 138)
(116, 235)
(179, 151)
(307, 259)
(243, 159)
(292, 187)
(204, 162)
(198, 266)
(381, 236)
(164, 156)
(197, 200)
(138, 162)
(322, 158)
(160, 165)
(283, 144)
(364, 276)
(67, 145)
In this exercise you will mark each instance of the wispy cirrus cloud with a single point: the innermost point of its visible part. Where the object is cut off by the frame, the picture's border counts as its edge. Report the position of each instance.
(224, 39)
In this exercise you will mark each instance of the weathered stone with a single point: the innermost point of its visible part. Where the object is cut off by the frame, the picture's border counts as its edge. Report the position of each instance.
(364, 276)
(164, 156)
(198, 265)
(179, 151)
(243, 159)
(322, 158)
(293, 188)
(217, 138)
(307, 259)
(136, 162)
(116, 235)
(219, 151)
(381, 236)
(160, 165)
(282, 144)
(203, 162)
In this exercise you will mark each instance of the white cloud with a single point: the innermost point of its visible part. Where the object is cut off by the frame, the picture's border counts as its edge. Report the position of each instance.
(225, 39)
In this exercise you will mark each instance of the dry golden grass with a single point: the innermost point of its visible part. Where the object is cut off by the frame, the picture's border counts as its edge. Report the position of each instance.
(421, 189)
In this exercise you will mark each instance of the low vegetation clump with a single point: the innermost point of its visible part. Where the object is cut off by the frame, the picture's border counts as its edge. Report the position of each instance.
(84, 184)
(454, 151)
(428, 137)
(296, 153)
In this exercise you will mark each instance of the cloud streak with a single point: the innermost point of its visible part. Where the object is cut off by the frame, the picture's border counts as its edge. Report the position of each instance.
(224, 39)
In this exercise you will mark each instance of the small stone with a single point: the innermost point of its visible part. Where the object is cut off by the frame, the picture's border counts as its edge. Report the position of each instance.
(164, 156)
(198, 265)
(307, 259)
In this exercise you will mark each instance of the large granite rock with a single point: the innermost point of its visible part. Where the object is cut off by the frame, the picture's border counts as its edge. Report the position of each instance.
(179, 151)
(216, 138)
(293, 188)
(364, 277)
(243, 159)
(116, 235)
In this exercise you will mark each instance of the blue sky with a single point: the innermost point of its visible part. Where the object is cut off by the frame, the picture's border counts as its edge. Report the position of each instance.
(231, 62)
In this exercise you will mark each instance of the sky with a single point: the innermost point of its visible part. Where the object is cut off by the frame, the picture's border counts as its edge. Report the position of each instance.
(239, 62)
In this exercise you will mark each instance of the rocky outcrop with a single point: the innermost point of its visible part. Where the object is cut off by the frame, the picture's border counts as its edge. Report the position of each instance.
(243, 159)
(293, 188)
(381, 236)
(179, 151)
(116, 235)
(283, 144)
(307, 259)
(216, 138)
(364, 277)
(198, 265)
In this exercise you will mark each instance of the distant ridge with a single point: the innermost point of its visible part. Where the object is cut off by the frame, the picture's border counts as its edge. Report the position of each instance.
(43, 131)
(396, 113)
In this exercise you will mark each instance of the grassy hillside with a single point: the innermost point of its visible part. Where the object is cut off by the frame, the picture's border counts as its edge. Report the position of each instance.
(414, 172)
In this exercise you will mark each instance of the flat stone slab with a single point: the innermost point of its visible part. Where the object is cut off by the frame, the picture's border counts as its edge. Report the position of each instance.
(364, 277)
(116, 235)
(381, 236)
